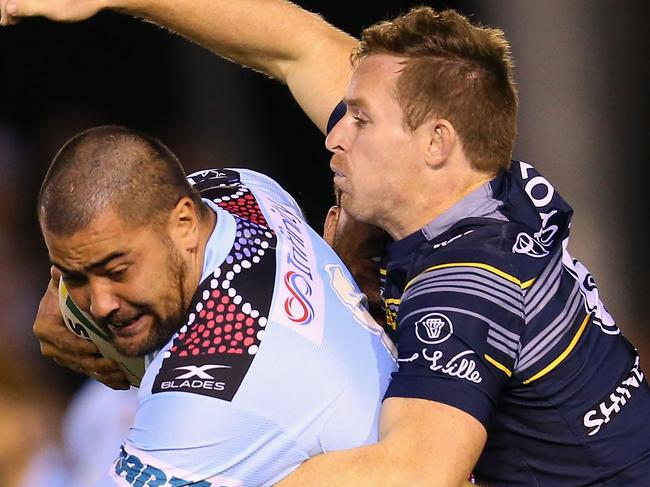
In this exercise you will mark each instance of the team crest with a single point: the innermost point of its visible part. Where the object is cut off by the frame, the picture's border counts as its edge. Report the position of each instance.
(433, 328)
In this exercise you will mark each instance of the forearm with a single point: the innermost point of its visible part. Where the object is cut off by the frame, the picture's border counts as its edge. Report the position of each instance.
(368, 465)
(275, 37)
(421, 442)
(261, 34)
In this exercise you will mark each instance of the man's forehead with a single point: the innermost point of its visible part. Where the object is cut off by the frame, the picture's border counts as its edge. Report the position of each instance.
(107, 235)
(374, 74)
(379, 66)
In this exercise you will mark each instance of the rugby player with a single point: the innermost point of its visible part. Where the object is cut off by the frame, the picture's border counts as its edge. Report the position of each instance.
(263, 354)
(509, 361)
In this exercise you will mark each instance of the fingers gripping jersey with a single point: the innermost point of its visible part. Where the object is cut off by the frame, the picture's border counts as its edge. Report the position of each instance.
(494, 317)
(277, 361)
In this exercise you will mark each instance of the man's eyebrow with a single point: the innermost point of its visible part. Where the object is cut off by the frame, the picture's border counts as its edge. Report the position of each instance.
(355, 103)
(92, 266)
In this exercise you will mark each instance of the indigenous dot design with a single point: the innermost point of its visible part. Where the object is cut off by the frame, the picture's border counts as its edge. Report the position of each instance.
(213, 351)
(224, 187)
(225, 320)
(222, 327)
(242, 203)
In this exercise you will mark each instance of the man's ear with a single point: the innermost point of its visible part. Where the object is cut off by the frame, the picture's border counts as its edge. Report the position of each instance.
(441, 140)
(331, 221)
(184, 224)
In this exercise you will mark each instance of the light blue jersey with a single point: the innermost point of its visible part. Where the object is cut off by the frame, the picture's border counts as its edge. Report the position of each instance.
(278, 360)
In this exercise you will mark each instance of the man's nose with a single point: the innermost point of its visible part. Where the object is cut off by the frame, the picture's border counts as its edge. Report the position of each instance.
(103, 300)
(335, 140)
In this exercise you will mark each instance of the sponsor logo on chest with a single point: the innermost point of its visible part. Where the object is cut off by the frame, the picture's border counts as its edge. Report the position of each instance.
(299, 302)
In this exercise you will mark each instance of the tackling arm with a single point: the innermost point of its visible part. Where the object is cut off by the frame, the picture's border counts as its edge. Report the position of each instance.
(421, 443)
(275, 37)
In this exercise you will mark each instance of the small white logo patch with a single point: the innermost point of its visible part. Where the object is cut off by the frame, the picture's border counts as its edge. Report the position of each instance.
(200, 372)
(433, 328)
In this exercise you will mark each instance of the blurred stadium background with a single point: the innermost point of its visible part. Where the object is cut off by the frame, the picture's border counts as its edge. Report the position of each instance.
(583, 76)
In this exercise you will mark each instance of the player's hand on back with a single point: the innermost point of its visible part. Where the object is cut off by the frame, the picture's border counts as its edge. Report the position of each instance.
(59, 10)
(67, 349)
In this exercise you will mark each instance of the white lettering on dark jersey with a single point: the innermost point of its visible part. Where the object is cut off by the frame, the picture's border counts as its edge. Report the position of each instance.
(457, 366)
(603, 412)
(210, 385)
(538, 244)
(588, 289)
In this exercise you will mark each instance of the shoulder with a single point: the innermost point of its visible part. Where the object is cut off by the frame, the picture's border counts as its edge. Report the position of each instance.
(478, 246)
(243, 191)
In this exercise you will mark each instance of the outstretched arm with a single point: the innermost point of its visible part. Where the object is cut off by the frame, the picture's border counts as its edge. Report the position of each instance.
(275, 37)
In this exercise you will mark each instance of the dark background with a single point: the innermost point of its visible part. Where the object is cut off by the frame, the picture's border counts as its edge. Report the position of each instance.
(582, 72)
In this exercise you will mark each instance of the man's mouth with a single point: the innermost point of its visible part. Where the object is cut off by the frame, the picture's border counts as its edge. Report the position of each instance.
(128, 327)
(335, 162)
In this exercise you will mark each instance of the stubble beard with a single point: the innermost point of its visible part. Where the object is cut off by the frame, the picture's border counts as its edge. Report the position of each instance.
(162, 328)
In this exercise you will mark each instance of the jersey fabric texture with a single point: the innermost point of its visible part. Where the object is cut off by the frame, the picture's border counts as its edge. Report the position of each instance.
(492, 315)
(278, 360)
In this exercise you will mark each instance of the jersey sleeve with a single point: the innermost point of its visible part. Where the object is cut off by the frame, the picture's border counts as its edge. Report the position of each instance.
(458, 335)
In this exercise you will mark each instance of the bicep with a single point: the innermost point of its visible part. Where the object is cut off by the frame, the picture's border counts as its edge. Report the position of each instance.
(431, 440)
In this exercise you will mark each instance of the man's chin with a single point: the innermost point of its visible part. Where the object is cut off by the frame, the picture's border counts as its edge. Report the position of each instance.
(139, 346)
(129, 347)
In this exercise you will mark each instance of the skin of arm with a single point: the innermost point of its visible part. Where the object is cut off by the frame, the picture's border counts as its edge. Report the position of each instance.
(422, 443)
(275, 37)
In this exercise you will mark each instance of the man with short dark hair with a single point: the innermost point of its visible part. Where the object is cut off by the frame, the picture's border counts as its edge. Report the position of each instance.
(504, 345)
(261, 353)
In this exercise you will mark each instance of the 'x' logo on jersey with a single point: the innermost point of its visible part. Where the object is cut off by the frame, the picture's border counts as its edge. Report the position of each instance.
(200, 372)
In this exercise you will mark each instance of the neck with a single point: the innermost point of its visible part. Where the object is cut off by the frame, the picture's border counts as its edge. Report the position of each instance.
(207, 224)
(433, 201)
(206, 227)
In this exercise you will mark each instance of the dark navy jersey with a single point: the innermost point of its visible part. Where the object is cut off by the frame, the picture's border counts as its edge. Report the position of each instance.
(492, 315)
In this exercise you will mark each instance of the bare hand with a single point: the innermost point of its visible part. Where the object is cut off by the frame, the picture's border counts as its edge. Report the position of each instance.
(67, 349)
(59, 10)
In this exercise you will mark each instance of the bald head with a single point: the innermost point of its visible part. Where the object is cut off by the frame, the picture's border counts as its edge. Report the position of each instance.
(111, 168)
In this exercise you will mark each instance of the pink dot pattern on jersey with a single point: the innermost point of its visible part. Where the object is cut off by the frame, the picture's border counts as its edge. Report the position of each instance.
(221, 327)
(244, 206)
(223, 321)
